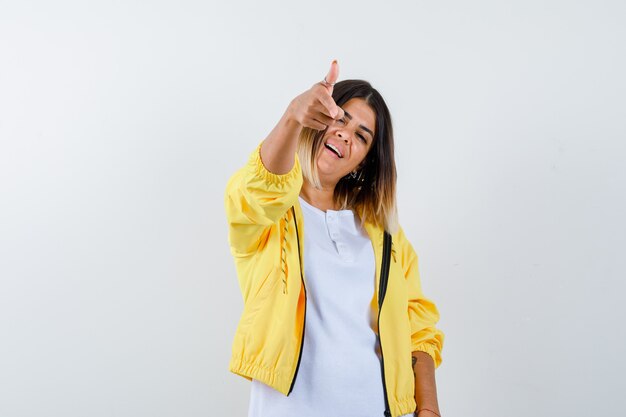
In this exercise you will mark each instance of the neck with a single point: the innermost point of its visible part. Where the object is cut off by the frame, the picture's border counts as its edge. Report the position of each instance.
(322, 199)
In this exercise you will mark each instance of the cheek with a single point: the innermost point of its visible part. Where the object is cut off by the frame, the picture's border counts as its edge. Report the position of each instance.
(361, 150)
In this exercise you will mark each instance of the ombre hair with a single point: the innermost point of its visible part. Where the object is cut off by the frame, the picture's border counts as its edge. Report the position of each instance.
(372, 194)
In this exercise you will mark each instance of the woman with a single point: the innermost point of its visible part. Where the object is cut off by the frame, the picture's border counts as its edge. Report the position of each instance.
(334, 320)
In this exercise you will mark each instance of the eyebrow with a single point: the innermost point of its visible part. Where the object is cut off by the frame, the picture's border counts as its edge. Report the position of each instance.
(349, 116)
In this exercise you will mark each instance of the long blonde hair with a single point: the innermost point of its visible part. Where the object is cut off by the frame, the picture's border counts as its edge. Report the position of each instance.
(372, 195)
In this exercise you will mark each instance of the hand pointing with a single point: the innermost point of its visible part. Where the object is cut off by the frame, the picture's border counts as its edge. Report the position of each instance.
(316, 108)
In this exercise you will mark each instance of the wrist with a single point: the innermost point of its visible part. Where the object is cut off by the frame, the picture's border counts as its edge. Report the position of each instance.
(426, 412)
(289, 118)
(289, 127)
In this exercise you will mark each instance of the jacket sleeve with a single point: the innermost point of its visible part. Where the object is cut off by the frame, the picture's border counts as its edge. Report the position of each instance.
(255, 199)
(423, 313)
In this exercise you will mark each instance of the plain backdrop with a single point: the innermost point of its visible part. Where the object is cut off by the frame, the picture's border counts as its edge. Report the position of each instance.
(121, 121)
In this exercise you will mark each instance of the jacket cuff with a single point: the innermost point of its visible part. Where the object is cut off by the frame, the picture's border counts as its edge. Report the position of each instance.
(255, 164)
(431, 350)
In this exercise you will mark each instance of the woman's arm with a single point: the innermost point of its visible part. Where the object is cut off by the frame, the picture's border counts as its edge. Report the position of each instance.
(279, 148)
(426, 338)
(425, 386)
(260, 192)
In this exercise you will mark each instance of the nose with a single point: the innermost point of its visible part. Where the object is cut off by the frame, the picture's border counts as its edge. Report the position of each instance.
(343, 136)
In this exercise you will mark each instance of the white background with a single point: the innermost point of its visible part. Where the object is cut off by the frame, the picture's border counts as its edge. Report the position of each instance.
(121, 121)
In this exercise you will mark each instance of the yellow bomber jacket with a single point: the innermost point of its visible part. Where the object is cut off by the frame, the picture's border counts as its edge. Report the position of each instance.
(265, 234)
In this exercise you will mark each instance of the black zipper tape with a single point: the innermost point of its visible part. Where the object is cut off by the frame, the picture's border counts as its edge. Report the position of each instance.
(293, 381)
(382, 290)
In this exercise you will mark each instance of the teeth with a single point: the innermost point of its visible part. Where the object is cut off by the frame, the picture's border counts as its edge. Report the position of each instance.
(334, 148)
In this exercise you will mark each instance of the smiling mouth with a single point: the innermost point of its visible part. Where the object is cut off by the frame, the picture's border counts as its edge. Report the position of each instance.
(333, 149)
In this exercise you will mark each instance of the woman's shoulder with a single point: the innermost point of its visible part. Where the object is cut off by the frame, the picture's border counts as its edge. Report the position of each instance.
(400, 239)
(398, 235)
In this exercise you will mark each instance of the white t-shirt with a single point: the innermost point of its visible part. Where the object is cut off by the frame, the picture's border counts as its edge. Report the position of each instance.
(339, 373)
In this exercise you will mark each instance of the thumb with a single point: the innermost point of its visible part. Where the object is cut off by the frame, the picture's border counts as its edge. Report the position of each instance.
(331, 77)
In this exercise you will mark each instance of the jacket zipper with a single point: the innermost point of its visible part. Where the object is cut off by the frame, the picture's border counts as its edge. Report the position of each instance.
(381, 296)
(293, 381)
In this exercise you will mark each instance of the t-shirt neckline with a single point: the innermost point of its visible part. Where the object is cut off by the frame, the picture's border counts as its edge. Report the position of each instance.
(344, 212)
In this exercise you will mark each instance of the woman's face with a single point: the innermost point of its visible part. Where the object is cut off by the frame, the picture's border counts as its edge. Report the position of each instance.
(351, 136)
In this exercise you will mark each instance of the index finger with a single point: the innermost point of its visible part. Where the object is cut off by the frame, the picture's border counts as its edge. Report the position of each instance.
(329, 104)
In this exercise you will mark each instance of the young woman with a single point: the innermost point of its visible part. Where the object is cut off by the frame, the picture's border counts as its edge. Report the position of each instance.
(335, 323)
